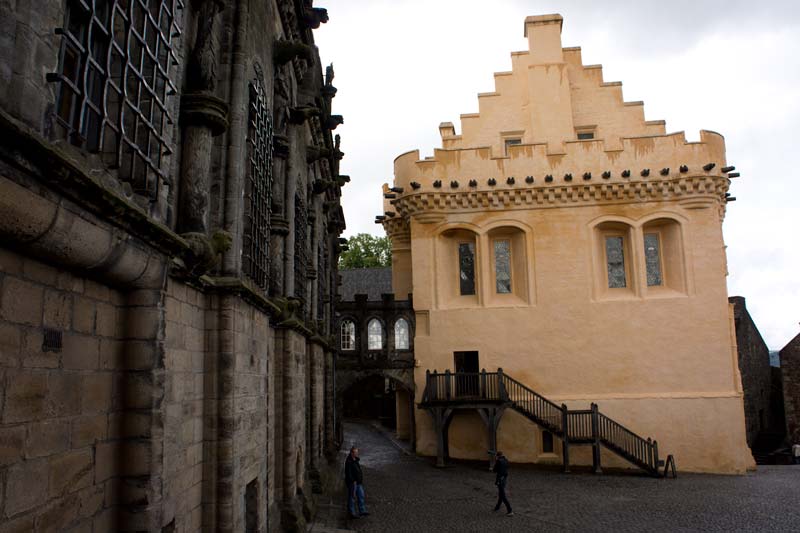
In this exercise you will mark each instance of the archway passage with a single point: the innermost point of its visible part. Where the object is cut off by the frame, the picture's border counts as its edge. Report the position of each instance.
(380, 398)
(371, 398)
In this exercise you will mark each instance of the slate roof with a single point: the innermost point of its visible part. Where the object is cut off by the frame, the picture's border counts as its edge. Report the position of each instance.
(370, 281)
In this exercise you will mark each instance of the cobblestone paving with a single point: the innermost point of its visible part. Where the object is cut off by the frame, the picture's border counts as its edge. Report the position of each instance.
(407, 494)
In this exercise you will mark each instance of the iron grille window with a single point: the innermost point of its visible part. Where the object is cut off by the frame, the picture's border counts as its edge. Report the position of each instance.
(258, 195)
(300, 248)
(114, 81)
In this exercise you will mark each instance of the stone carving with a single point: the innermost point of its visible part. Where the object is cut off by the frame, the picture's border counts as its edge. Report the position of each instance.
(314, 16)
(204, 116)
(284, 51)
(298, 115)
(204, 251)
(333, 121)
(201, 70)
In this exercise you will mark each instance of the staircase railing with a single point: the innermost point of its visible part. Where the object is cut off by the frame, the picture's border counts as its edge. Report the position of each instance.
(581, 426)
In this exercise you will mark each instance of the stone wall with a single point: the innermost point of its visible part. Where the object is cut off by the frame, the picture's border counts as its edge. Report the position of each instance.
(192, 387)
(756, 374)
(59, 408)
(790, 370)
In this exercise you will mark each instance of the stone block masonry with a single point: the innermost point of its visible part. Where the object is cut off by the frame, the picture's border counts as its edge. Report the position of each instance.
(59, 405)
(157, 371)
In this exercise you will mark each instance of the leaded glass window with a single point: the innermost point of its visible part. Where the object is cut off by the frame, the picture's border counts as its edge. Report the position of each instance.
(258, 192)
(114, 81)
(401, 334)
(466, 267)
(652, 258)
(374, 334)
(615, 261)
(502, 266)
(348, 335)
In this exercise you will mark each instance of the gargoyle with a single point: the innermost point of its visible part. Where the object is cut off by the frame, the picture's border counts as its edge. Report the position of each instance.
(314, 16)
(204, 251)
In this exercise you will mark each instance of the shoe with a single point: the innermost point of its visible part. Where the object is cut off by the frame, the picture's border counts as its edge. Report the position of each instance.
(510, 514)
(354, 517)
(495, 509)
(365, 513)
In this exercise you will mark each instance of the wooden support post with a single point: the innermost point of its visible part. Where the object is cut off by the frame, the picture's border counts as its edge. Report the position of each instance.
(565, 437)
(596, 442)
(441, 422)
(447, 384)
(483, 392)
(491, 417)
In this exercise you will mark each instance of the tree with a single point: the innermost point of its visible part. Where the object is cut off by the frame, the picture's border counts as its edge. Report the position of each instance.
(365, 251)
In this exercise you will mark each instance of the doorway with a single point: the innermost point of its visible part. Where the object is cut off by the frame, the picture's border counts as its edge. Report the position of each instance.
(467, 370)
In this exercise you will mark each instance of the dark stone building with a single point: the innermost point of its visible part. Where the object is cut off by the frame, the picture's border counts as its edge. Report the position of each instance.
(374, 373)
(763, 411)
(169, 223)
(790, 371)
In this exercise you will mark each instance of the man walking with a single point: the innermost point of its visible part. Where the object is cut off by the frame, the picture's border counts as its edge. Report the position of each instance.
(354, 479)
(501, 480)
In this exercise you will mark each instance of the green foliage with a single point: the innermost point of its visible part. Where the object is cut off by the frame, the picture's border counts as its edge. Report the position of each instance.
(366, 251)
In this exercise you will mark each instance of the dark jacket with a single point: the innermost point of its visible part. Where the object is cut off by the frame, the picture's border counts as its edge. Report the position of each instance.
(501, 470)
(352, 471)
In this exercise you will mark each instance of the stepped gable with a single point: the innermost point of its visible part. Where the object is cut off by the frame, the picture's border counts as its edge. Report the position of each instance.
(554, 123)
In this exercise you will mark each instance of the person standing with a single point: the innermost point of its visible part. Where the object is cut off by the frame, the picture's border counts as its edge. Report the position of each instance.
(501, 480)
(354, 479)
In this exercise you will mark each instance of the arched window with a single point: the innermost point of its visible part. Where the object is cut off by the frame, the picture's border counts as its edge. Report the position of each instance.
(348, 335)
(401, 334)
(374, 335)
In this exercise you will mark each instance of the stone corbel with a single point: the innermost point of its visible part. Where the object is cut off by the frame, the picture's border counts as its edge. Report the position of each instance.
(284, 51)
(315, 153)
(288, 309)
(201, 109)
(298, 115)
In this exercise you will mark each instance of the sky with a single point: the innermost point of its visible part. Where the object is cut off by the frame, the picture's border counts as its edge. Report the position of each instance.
(404, 66)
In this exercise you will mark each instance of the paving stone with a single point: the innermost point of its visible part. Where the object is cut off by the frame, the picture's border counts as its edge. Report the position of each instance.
(408, 494)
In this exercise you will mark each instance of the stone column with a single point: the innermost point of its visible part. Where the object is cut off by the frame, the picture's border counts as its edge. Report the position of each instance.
(204, 116)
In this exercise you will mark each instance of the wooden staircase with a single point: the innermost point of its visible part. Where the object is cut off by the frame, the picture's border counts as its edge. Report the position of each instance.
(490, 393)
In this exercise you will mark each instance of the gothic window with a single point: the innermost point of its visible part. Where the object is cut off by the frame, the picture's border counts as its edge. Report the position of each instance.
(466, 266)
(502, 266)
(258, 191)
(374, 335)
(652, 258)
(348, 335)
(114, 80)
(300, 248)
(401, 334)
(615, 262)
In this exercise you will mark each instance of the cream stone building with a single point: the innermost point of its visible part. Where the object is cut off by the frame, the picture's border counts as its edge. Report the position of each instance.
(562, 237)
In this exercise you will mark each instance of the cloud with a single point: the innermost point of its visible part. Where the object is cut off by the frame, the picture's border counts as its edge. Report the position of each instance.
(727, 65)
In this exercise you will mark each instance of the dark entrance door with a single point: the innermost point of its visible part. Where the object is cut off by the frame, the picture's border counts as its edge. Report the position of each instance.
(467, 369)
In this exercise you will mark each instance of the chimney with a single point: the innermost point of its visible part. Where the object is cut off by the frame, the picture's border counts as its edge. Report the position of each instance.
(544, 38)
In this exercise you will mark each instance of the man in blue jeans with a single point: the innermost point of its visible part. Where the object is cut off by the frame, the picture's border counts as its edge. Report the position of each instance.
(354, 479)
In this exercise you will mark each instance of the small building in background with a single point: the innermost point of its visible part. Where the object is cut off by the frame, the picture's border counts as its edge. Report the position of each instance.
(790, 371)
(763, 396)
(374, 368)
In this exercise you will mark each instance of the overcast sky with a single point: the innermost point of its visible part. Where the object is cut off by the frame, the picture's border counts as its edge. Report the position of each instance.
(404, 66)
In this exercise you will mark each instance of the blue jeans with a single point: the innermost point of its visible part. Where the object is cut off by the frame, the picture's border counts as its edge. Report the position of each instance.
(352, 494)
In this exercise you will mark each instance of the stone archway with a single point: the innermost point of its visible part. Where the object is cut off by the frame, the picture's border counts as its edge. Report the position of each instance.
(394, 408)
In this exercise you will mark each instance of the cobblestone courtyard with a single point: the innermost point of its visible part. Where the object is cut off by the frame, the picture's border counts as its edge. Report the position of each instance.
(407, 494)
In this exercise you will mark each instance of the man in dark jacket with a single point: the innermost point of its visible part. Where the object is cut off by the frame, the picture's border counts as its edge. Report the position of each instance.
(501, 480)
(354, 480)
